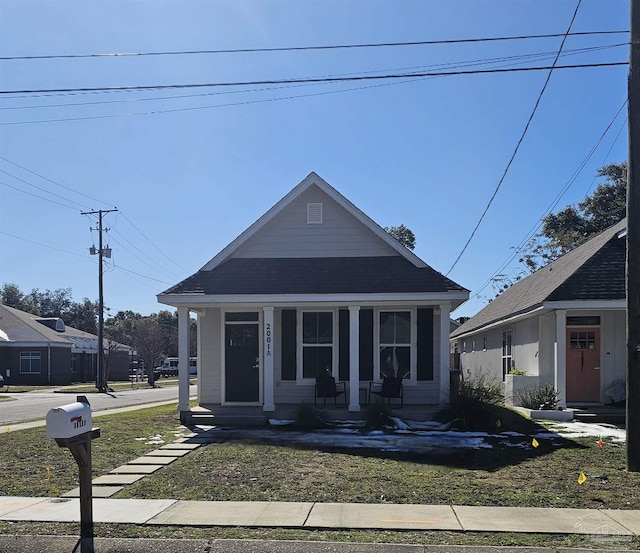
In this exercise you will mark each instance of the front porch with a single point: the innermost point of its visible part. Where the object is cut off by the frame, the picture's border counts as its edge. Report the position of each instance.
(242, 416)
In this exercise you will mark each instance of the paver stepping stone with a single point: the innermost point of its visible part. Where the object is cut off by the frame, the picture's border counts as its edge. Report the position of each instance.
(168, 452)
(117, 479)
(136, 469)
(149, 460)
(96, 491)
(181, 446)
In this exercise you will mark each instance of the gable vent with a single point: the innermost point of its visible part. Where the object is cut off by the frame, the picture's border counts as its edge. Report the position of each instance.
(314, 214)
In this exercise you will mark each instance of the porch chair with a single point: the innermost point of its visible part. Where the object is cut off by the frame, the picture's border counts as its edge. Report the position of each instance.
(391, 389)
(327, 387)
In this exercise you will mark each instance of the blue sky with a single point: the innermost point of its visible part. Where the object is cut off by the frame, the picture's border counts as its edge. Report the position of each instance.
(189, 174)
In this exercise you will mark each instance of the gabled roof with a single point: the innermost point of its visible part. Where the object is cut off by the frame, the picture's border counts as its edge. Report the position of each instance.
(396, 271)
(313, 180)
(593, 271)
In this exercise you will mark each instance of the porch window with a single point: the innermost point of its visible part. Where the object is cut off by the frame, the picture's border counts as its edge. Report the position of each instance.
(29, 362)
(317, 343)
(395, 344)
(506, 352)
(582, 340)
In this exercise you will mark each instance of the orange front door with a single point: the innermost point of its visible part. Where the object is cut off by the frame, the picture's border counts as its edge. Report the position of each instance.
(583, 364)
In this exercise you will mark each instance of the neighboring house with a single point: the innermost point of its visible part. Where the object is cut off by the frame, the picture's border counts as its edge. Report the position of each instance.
(564, 324)
(314, 287)
(39, 351)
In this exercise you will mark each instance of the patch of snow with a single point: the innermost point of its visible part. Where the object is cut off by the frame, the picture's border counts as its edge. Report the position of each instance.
(576, 429)
(283, 422)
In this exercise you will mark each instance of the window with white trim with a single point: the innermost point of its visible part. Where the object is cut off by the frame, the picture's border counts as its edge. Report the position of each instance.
(506, 352)
(317, 343)
(30, 362)
(395, 344)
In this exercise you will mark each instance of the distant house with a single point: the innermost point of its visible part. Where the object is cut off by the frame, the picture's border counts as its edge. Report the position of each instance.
(564, 324)
(314, 287)
(44, 351)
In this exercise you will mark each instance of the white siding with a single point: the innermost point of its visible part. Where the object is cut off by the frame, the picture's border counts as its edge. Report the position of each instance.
(289, 235)
(210, 357)
(546, 347)
(480, 361)
(613, 354)
(525, 346)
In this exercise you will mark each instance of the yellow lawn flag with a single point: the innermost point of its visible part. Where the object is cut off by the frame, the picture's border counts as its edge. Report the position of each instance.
(534, 443)
(582, 478)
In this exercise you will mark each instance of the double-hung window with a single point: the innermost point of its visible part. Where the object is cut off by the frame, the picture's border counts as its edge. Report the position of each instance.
(506, 352)
(29, 362)
(395, 344)
(317, 343)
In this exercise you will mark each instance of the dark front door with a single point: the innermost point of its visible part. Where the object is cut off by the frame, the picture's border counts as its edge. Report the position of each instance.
(242, 362)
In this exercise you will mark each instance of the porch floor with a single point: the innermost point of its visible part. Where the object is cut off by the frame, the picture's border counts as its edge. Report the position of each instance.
(220, 415)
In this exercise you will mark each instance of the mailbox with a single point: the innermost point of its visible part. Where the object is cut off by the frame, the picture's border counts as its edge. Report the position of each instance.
(69, 420)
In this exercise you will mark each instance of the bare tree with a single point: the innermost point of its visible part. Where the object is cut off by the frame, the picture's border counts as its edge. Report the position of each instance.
(150, 342)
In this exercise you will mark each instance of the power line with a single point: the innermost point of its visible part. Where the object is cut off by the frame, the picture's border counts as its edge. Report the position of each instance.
(36, 196)
(557, 199)
(466, 63)
(310, 80)
(45, 245)
(41, 189)
(150, 242)
(307, 48)
(51, 181)
(251, 102)
(515, 151)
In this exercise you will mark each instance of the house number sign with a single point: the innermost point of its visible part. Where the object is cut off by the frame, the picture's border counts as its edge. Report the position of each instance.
(267, 339)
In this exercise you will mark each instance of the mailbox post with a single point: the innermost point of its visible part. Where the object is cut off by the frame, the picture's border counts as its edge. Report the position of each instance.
(71, 426)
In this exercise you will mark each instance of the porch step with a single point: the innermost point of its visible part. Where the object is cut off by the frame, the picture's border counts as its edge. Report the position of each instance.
(600, 415)
(241, 420)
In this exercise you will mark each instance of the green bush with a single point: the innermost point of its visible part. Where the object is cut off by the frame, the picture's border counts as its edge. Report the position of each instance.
(308, 418)
(474, 395)
(543, 397)
(377, 416)
(517, 372)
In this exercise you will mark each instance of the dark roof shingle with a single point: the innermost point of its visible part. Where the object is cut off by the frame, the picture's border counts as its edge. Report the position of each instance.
(333, 275)
(593, 271)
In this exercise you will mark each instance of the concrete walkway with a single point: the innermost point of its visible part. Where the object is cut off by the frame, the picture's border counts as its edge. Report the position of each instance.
(334, 516)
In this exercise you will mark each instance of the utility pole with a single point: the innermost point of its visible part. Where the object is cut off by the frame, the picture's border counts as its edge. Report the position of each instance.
(100, 380)
(633, 247)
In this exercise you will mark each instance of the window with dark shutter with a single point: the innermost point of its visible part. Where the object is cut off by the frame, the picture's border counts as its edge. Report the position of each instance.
(425, 344)
(288, 344)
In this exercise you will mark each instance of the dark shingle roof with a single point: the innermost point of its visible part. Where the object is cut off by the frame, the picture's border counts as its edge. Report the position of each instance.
(593, 271)
(333, 275)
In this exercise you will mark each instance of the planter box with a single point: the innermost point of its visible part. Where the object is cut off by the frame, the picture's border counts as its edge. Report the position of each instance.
(550, 415)
(513, 384)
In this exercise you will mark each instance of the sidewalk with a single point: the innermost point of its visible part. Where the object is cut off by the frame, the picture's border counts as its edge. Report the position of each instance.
(324, 516)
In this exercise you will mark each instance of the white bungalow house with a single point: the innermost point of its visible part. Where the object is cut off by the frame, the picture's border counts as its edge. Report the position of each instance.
(314, 286)
(564, 325)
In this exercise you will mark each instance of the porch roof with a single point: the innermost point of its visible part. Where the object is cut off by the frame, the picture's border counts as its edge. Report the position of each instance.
(332, 275)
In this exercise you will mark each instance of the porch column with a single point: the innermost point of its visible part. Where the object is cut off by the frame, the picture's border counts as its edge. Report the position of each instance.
(183, 362)
(267, 349)
(560, 357)
(354, 358)
(445, 329)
